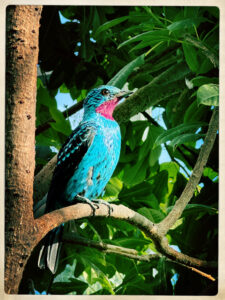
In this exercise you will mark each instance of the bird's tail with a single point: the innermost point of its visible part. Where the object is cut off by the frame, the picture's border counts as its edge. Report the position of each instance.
(50, 250)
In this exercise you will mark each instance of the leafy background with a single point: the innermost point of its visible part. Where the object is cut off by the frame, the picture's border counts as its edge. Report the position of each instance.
(176, 50)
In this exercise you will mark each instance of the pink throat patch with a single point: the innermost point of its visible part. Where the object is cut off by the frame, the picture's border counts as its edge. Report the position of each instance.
(106, 108)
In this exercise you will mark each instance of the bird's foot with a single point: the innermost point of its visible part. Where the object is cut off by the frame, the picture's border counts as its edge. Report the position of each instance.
(82, 199)
(100, 201)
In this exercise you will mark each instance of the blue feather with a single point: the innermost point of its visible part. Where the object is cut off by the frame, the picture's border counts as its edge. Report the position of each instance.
(85, 163)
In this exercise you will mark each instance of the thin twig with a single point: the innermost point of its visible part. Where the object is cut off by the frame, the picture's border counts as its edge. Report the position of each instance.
(210, 277)
(130, 253)
(195, 177)
(175, 160)
(108, 248)
(152, 121)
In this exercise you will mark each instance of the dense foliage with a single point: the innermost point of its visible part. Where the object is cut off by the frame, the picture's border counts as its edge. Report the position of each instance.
(175, 48)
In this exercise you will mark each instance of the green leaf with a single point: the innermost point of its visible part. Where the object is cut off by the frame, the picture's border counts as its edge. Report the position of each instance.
(184, 24)
(208, 172)
(154, 155)
(130, 242)
(61, 125)
(194, 112)
(120, 225)
(138, 190)
(154, 36)
(44, 98)
(176, 72)
(161, 267)
(62, 288)
(49, 138)
(174, 132)
(113, 187)
(160, 185)
(172, 168)
(153, 215)
(208, 94)
(136, 173)
(120, 78)
(191, 58)
(39, 83)
(146, 44)
(200, 80)
(110, 24)
(79, 268)
(63, 89)
(185, 138)
(148, 144)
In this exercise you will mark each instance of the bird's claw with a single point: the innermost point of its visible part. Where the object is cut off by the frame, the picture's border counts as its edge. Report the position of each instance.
(86, 200)
(99, 201)
(94, 204)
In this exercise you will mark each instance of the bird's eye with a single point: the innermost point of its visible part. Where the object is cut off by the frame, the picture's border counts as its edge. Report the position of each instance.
(105, 92)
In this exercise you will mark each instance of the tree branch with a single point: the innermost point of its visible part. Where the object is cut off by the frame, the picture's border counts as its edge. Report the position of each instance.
(147, 96)
(78, 211)
(107, 248)
(195, 177)
(130, 253)
(208, 52)
(156, 232)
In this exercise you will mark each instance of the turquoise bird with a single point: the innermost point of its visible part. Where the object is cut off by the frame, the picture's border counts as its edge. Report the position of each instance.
(85, 163)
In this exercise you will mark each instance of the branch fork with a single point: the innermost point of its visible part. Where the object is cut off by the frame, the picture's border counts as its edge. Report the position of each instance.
(156, 232)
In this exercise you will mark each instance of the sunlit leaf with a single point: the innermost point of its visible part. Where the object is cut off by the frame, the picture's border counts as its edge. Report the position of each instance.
(150, 36)
(120, 78)
(110, 24)
(185, 138)
(170, 134)
(190, 54)
(208, 94)
(184, 24)
(152, 214)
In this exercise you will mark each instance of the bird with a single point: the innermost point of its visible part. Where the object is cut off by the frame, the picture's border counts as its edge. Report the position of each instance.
(85, 163)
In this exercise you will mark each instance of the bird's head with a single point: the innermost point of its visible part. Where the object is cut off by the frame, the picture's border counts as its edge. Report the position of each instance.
(103, 100)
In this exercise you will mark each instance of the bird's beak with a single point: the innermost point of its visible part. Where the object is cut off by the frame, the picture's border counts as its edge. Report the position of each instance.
(123, 94)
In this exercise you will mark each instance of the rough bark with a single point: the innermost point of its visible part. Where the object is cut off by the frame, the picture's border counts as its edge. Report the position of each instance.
(22, 231)
(21, 65)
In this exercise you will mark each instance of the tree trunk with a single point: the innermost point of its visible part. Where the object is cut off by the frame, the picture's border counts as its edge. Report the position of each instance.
(22, 29)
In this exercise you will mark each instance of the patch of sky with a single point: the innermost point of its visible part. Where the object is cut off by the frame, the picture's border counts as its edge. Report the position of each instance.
(92, 40)
(175, 247)
(184, 170)
(65, 101)
(199, 143)
(76, 53)
(174, 279)
(215, 178)
(37, 293)
(164, 156)
(63, 20)
(154, 272)
(157, 116)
